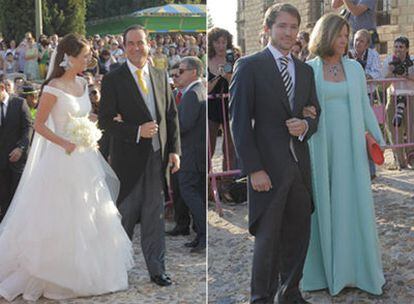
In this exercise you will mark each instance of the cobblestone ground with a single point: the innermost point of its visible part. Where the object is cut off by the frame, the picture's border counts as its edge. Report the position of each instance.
(231, 247)
(188, 272)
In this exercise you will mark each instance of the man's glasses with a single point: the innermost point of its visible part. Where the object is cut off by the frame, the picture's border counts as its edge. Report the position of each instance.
(181, 71)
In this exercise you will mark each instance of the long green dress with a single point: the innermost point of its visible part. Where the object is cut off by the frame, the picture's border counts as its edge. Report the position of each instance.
(344, 249)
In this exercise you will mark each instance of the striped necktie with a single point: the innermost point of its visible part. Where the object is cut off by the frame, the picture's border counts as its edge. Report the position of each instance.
(287, 79)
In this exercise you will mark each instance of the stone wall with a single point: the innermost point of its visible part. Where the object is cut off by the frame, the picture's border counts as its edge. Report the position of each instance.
(250, 18)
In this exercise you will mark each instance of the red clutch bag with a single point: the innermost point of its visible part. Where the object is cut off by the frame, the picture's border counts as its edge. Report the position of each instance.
(374, 150)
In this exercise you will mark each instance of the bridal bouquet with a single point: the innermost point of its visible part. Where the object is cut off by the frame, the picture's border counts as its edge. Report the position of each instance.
(83, 132)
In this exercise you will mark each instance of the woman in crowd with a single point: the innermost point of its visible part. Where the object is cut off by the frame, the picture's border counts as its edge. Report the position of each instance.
(160, 59)
(173, 58)
(44, 57)
(344, 249)
(116, 52)
(9, 65)
(181, 48)
(31, 67)
(296, 49)
(303, 38)
(219, 40)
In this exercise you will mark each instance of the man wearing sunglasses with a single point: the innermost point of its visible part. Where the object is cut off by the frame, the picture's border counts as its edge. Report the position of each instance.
(181, 212)
(192, 118)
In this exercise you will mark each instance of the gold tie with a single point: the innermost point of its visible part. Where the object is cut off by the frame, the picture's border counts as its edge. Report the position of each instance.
(141, 81)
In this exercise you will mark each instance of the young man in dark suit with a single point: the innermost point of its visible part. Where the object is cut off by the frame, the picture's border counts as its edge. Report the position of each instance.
(268, 92)
(15, 134)
(145, 141)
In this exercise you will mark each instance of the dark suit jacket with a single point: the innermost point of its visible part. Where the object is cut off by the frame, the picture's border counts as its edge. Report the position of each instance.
(192, 117)
(16, 132)
(120, 95)
(259, 108)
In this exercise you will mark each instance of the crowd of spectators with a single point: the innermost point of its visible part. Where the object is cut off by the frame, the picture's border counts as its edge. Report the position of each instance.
(24, 65)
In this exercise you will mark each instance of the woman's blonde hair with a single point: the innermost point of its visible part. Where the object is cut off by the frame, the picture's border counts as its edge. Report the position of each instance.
(323, 36)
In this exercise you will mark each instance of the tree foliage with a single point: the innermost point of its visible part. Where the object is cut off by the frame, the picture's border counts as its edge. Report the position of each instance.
(61, 17)
(99, 9)
(16, 18)
(65, 16)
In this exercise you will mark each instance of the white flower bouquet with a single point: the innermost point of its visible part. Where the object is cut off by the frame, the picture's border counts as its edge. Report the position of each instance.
(83, 132)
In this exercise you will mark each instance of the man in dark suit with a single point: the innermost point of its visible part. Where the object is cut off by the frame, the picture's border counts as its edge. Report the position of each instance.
(181, 212)
(15, 133)
(268, 92)
(192, 175)
(145, 141)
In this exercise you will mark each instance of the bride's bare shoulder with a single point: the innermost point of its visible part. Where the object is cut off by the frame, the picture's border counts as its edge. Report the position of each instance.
(56, 83)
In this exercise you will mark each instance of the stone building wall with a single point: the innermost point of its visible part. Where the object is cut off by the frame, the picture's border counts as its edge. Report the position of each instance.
(250, 18)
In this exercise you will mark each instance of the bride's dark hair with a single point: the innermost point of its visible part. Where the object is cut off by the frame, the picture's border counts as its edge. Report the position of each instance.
(71, 45)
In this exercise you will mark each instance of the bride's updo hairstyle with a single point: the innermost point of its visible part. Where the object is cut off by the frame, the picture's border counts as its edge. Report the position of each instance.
(71, 45)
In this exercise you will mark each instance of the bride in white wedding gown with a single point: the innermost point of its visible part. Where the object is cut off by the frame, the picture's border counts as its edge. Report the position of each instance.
(62, 236)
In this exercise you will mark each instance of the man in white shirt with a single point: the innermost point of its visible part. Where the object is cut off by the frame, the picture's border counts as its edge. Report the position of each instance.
(268, 93)
(145, 142)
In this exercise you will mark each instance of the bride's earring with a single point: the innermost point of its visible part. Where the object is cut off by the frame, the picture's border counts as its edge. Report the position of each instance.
(65, 63)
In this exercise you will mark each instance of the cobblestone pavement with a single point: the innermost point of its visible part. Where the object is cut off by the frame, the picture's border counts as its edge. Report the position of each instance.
(231, 248)
(188, 272)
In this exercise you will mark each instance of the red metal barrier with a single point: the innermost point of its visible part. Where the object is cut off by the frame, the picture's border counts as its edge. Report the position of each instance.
(396, 137)
(227, 170)
(378, 97)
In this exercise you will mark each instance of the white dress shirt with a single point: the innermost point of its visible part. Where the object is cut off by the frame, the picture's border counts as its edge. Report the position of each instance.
(5, 105)
(149, 99)
(291, 65)
(291, 69)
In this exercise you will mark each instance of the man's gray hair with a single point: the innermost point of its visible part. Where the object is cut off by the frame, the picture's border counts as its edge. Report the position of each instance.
(195, 63)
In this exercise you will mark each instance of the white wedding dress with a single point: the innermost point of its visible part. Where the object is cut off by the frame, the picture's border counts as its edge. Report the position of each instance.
(62, 236)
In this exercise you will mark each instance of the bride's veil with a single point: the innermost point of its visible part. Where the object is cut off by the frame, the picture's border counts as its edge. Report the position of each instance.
(37, 149)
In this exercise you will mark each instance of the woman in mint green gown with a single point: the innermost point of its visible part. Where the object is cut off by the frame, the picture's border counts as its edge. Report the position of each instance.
(344, 250)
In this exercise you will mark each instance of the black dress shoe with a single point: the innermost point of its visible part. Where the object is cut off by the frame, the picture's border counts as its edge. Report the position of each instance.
(191, 244)
(200, 248)
(298, 301)
(294, 300)
(301, 301)
(178, 231)
(161, 280)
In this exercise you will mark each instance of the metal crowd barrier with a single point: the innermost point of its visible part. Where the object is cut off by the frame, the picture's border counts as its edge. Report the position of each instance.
(379, 98)
(384, 103)
(227, 171)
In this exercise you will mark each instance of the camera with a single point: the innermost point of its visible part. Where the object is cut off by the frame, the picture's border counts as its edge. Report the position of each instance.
(401, 66)
(230, 59)
(399, 111)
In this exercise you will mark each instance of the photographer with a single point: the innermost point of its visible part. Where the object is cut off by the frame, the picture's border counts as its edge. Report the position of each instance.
(220, 66)
(400, 65)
